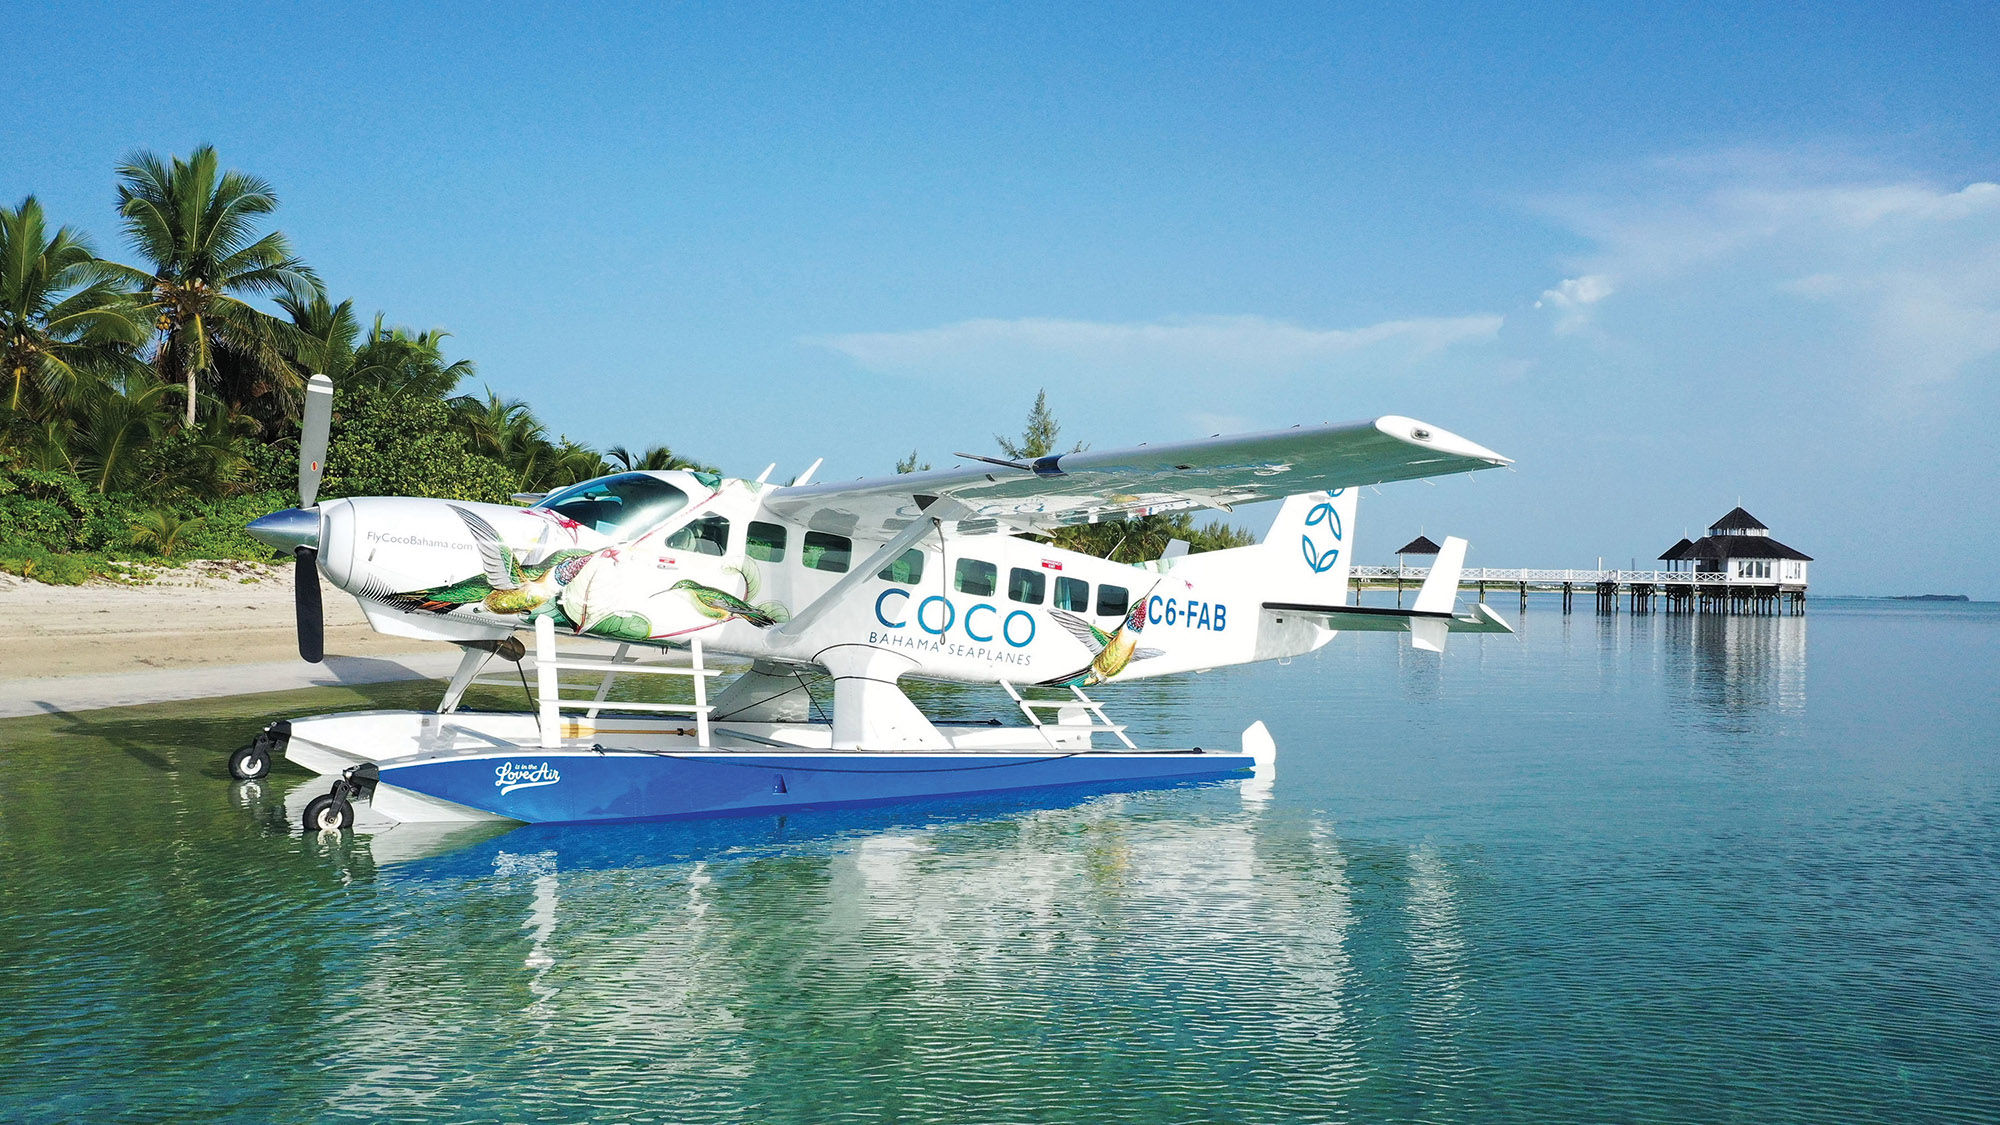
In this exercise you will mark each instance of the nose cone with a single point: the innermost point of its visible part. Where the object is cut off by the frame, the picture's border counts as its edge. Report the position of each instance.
(293, 527)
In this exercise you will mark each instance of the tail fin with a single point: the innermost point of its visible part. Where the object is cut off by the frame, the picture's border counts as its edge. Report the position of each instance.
(1303, 558)
(1307, 553)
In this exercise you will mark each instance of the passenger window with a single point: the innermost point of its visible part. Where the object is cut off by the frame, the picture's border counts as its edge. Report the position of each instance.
(1025, 585)
(827, 552)
(765, 542)
(976, 578)
(908, 570)
(1113, 601)
(1073, 594)
(708, 535)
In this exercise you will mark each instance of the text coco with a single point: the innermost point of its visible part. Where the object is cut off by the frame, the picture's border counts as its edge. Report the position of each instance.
(937, 616)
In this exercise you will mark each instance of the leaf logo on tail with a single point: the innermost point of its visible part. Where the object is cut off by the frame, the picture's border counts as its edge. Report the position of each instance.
(1320, 560)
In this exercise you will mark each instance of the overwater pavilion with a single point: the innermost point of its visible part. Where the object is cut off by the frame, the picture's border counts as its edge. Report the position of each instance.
(1736, 568)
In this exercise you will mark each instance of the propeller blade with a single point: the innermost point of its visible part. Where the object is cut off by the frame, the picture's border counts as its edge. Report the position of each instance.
(313, 436)
(305, 601)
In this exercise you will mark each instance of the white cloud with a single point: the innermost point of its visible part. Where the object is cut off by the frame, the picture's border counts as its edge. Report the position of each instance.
(1573, 298)
(1907, 270)
(1235, 347)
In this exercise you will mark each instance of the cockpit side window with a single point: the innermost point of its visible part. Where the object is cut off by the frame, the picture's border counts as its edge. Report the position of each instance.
(708, 535)
(619, 506)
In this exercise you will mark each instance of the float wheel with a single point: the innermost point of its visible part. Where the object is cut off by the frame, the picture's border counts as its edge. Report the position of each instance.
(251, 762)
(328, 813)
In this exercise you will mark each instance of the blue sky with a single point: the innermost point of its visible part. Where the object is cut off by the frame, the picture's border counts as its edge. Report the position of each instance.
(1665, 261)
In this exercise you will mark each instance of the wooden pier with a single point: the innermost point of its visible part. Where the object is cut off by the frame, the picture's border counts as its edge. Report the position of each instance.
(1641, 591)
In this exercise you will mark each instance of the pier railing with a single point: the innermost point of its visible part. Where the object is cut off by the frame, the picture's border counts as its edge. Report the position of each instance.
(1511, 576)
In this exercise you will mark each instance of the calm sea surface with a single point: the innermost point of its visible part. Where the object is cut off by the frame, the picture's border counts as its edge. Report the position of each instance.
(1609, 870)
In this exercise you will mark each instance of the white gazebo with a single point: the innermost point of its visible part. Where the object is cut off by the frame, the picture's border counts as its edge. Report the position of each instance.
(1739, 548)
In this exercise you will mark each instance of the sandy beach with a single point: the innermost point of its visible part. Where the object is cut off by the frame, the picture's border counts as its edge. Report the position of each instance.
(208, 629)
(204, 614)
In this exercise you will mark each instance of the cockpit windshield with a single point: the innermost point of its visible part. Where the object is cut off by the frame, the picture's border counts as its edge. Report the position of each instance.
(618, 506)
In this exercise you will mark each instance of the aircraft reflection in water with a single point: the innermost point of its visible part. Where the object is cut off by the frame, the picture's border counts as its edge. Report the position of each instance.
(933, 944)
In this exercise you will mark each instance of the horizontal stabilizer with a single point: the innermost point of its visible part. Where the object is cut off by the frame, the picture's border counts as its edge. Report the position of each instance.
(1426, 630)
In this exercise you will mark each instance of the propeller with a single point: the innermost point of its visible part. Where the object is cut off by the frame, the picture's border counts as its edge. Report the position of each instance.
(313, 433)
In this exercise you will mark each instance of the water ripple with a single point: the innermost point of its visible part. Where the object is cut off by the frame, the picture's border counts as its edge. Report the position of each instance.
(1634, 871)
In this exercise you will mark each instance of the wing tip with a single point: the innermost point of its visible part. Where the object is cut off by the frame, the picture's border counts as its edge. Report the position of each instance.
(1434, 437)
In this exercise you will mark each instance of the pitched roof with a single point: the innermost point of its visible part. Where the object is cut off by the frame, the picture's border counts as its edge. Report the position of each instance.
(1725, 547)
(1421, 545)
(1678, 551)
(1738, 520)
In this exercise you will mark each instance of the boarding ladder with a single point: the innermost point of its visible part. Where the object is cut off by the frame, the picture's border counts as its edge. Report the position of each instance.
(549, 666)
(1100, 722)
(550, 703)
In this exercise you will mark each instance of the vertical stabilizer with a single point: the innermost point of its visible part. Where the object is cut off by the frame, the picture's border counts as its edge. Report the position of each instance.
(1440, 590)
(1304, 559)
(1310, 547)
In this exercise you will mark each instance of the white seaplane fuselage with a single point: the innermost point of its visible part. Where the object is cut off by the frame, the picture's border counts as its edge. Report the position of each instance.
(976, 609)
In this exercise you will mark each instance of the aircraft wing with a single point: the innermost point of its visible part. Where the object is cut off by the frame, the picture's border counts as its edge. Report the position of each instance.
(1093, 485)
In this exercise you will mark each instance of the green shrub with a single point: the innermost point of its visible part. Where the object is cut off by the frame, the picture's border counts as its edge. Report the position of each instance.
(106, 524)
(42, 525)
(221, 535)
(61, 569)
(402, 445)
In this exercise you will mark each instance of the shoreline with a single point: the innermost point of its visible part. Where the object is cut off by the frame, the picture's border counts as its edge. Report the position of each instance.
(205, 630)
(57, 695)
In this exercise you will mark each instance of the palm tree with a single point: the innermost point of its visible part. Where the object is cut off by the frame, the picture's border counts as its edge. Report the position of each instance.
(410, 363)
(198, 226)
(657, 458)
(116, 424)
(62, 311)
(395, 360)
(45, 445)
(501, 428)
(570, 462)
(323, 334)
(162, 529)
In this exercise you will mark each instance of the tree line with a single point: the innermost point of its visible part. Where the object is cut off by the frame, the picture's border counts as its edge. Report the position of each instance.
(149, 407)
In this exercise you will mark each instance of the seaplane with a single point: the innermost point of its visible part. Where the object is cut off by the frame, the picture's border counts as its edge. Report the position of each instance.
(871, 584)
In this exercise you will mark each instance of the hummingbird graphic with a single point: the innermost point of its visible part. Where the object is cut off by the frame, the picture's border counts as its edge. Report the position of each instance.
(1114, 650)
(505, 586)
(722, 605)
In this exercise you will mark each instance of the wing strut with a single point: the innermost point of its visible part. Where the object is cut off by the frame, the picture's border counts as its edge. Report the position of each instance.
(939, 508)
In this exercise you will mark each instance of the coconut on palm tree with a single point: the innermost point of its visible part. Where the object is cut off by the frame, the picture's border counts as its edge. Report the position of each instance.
(62, 312)
(198, 226)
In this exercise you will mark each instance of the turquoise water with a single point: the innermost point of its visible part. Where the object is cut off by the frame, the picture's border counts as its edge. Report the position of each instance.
(1614, 869)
